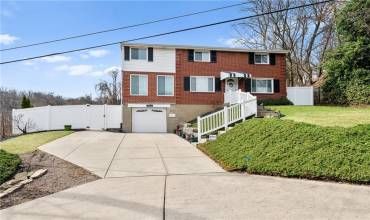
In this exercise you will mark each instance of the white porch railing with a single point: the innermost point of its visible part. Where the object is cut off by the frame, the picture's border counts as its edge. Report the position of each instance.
(245, 107)
(233, 97)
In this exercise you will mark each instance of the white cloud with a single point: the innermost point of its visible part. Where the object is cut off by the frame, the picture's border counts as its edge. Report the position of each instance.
(231, 42)
(95, 53)
(112, 68)
(61, 68)
(79, 70)
(6, 13)
(7, 39)
(56, 59)
(28, 63)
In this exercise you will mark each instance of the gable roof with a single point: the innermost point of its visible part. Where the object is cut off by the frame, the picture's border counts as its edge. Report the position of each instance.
(231, 49)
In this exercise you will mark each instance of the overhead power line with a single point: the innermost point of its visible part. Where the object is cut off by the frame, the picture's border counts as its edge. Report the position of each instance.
(123, 27)
(168, 33)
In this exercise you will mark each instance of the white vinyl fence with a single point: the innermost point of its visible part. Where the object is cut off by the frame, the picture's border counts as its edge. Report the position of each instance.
(96, 117)
(300, 95)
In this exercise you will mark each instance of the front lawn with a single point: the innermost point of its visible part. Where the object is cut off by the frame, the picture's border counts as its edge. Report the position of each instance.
(293, 149)
(326, 115)
(30, 142)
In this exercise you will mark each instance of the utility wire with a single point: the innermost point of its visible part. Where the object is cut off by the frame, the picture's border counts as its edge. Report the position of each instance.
(123, 27)
(167, 33)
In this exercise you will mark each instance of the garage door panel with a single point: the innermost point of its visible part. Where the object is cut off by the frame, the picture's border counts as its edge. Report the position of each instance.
(149, 120)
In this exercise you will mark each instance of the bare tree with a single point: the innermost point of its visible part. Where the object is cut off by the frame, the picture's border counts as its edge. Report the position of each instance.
(22, 124)
(110, 92)
(307, 33)
(5, 124)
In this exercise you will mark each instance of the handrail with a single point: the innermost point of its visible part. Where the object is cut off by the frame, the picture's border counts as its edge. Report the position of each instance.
(233, 97)
(229, 115)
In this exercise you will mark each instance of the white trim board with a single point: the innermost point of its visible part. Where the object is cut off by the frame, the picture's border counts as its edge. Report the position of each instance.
(145, 105)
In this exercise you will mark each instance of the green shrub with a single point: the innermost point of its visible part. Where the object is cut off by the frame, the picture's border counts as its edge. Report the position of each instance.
(8, 165)
(280, 101)
(292, 149)
(358, 92)
(67, 127)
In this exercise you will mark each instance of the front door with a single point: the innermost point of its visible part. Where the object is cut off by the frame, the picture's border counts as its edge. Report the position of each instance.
(231, 84)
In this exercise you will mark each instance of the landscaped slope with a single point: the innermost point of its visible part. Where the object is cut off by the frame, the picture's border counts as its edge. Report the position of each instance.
(293, 149)
(8, 165)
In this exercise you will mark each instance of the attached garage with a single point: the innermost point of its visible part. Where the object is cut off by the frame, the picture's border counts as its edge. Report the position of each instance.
(149, 119)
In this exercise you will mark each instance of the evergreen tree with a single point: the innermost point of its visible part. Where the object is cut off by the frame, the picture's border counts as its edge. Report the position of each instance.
(26, 102)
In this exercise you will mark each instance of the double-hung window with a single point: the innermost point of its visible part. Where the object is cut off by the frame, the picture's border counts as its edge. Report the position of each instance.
(261, 58)
(165, 85)
(202, 56)
(202, 84)
(262, 85)
(139, 85)
(138, 53)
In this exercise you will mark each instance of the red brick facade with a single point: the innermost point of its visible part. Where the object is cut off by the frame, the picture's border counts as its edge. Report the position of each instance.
(226, 61)
(152, 90)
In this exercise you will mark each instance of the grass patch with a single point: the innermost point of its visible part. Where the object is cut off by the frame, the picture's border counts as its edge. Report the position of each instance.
(8, 165)
(326, 115)
(291, 149)
(30, 142)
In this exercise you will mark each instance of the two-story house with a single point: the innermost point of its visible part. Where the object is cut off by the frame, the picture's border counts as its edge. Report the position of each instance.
(166, 85)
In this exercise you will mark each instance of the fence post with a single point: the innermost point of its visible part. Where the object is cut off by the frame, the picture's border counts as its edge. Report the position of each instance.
(255, 106)
(226, 117)
(105, 116)
(199, 132)
(49, 117)
(242, 108)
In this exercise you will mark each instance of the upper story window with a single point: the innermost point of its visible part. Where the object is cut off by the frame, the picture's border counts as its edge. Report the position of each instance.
(202, 84)
(138, 54)
(261, 58)
(202, 56)
(165, 85)
(139, 85)
(262, 85)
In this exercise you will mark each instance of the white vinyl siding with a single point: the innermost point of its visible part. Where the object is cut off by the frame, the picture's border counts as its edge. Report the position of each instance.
(138, 53)
(164, 61)
(262, 85)
(139, 85)
(165, 85)
(260, 58)
(202, 56)
(202, 84)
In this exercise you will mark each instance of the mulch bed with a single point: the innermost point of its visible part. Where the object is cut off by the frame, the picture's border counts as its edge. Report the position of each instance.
(60, 175)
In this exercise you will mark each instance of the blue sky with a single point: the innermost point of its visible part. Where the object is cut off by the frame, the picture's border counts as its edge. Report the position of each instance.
(75, 74)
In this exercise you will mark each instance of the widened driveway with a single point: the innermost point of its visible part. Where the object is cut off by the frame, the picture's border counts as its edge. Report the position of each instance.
(161, 176)
(123, 155)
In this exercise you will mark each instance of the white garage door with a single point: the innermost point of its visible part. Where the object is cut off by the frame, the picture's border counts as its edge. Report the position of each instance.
(149, 120)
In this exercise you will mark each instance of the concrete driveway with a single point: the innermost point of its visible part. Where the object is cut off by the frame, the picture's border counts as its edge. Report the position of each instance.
(161, 176)
(123, 155)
